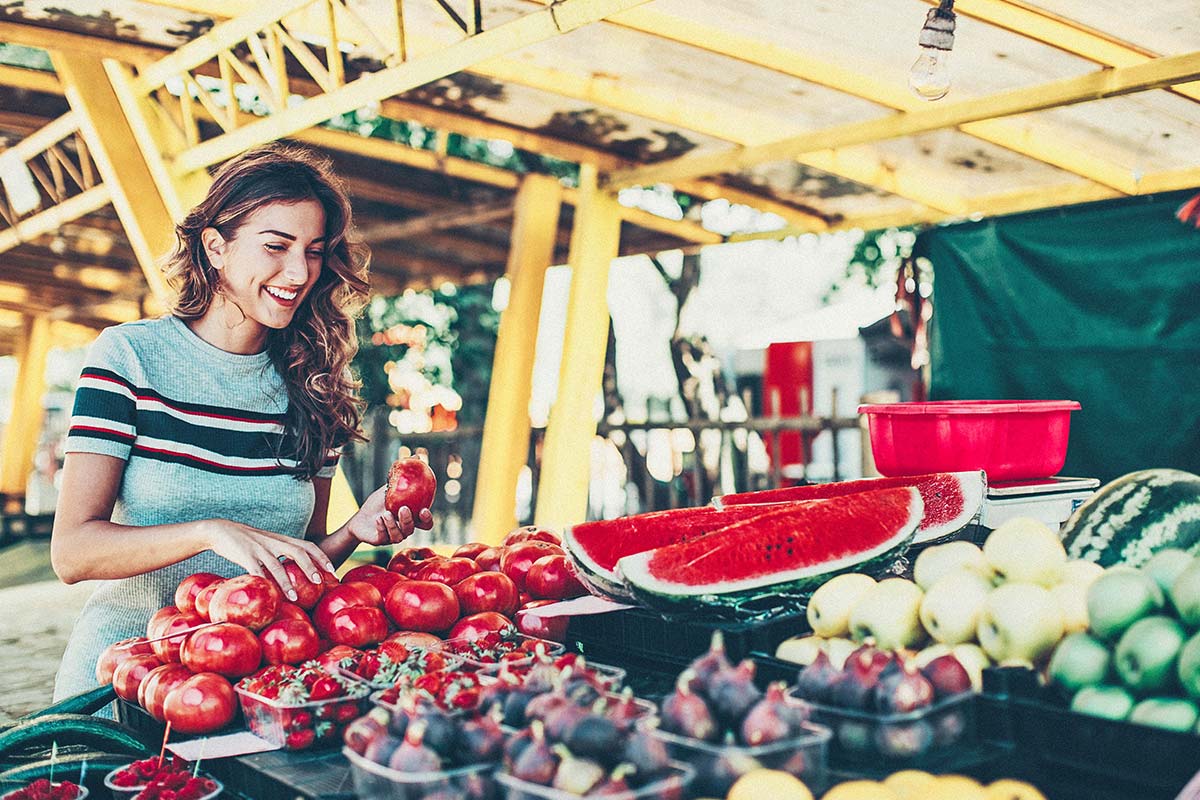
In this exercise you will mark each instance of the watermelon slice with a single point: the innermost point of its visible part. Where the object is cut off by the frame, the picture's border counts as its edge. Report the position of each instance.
(791, 549)
(952, 499)
(597, 546)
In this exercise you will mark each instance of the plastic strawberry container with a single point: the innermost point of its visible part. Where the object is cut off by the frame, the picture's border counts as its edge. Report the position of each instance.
(1008, 439)
(467, 650)
(678, 780)
(131, 792)
(918, 739)
(380, 682)
(611, 678)
(377, 782)
(284, 725)
(804, 756)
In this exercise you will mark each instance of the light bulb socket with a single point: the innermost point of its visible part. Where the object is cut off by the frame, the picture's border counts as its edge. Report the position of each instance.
(938, 30)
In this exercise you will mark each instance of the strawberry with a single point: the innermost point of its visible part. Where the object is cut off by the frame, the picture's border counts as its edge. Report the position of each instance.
(300, 740)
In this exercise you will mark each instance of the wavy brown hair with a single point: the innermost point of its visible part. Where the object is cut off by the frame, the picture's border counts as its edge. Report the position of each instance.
(313, 353)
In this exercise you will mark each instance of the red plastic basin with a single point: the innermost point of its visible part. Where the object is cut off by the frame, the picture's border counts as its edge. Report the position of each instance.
(1008, 439)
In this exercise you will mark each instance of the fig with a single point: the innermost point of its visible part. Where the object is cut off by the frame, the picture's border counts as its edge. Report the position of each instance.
(816, 679)
(481, 739)
(732, 693)
(380, 748)
(514, 708)
(948, 676)
(413, 755)
(764, 724)
(904, 739)
(855, 686)
(616, 783)
(903, 690)
(686, 713)
(516, 744)
(541, 706)
(562, 719)
(576, 775)
(716, 774)
(366, 729)
(595, 737)
(537, 763)
(440, 730)
(624, 711)
(709, 664)
(647, 755)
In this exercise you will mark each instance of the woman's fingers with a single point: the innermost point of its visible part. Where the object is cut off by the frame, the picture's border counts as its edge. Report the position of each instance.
(320, 561)
(403, 524)
(424, 519)
(305, 561)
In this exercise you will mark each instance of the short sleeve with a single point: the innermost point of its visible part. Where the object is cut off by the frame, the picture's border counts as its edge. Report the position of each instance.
(104, 418)
(330, 466)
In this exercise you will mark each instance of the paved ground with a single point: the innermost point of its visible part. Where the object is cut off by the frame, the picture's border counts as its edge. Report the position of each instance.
(37, 618)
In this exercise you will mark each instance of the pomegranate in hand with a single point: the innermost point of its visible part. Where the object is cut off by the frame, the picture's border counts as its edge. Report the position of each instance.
(410, 483)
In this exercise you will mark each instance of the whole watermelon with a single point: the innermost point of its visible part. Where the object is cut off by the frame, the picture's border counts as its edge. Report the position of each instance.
(1135, 516)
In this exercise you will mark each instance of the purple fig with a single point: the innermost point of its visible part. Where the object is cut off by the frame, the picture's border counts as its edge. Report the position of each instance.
(413, 755)
(709, 664)
(441, 731)
(537, 763)
(647, 754)
(948, 676)
(362, 731)
(732, 693)
(380, 748)
(903, 691)
(764, 723)
(816, 678)
(562, 719)
(624, 710)
(542, 705)
(616, 783)
(576, 775)
(516, 744)
(716, 774)
(855, 687)
(595, 737)
(514, 708)
(686, 713)
(481, 739)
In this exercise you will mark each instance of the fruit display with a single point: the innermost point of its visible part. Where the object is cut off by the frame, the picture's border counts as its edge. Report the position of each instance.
(1139, 660)
(43, 789)
(788, 550)
(417, 751)
(160, 778)
(410, 484)
(502, 646)
(450, 689)
(951, 500)
(1015, 597)
(393, 662)
(298, 707)
(1129, 519)
(567, 684)
(881, 703)
(916, 785)
(724, 726)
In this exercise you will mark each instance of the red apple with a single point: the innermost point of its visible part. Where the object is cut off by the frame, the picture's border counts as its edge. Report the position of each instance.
(342, 596)
(448, 571)
(117, 652)
(201, 704)
(553, 578)
(486, 591)
(189, 587)
(412, 639)
(249, 600)
(469, 550)
(361, 572)
(288, 641)
(129, 675)
(489, 558)
(167, 649)
(204, 599)
(530, 533)
(479, 625)
(422, 606)
(358, 626)
(307, 591)
(408, 557)
(226, 649)
(552, 628)
(412, 484)
(157, 684)
(518, 558)
(291, 611)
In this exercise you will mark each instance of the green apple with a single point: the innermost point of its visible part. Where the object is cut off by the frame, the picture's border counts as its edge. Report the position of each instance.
(800, 649)
(935, 562)
(1024, 549)
(1079, 571)
(1110, 702)
(974, 660)
(1019, 622)
(1166, 565)
(1119, 598)
(1185, 594)
(1171, 713)
(829, 607)
(1145, 655)
(1072, 601)
(1188, 669)
(890, 613)
(950, 608)
(1079, 661)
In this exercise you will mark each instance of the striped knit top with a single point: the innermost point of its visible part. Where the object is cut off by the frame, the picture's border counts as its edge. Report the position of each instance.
(201, 432)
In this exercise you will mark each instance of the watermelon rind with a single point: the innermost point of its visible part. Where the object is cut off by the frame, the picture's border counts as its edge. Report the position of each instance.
(972, 486)
(653, 591)
(1134, 516)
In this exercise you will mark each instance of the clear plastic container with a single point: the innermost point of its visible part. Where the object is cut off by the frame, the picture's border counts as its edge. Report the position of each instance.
(287, 726)
(83, 792)
(673, 784)
(462, 647)
(719, 765)
(610, 678)
(452, 663)
(911, 740)
(131, 792)
(377, 782)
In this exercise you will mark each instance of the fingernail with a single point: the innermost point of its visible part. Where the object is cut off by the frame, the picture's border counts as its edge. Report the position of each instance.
(316, 577)
(291, 595)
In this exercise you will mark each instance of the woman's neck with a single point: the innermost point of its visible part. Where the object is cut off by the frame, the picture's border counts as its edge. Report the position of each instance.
(226, 327)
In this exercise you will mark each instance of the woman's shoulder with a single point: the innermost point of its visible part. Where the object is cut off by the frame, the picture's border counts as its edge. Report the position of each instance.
(130, 343)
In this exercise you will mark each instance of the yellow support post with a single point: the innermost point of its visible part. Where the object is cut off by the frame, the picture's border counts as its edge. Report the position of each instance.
(506, 427)
(25, 425)
(563, 491)
(147, 216)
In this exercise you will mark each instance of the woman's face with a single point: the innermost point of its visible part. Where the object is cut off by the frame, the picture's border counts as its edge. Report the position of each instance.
(272, 261)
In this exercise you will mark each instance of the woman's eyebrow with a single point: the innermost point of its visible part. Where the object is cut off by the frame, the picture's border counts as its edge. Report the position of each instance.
(289, 236)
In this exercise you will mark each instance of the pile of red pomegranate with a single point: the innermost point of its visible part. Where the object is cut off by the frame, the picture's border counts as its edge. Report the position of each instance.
(43, 789)
(162, 779)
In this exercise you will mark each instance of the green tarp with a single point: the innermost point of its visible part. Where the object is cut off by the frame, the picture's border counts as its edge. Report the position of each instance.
(1098, 303)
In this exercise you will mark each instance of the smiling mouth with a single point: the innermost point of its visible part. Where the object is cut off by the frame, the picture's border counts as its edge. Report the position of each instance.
(282, 294)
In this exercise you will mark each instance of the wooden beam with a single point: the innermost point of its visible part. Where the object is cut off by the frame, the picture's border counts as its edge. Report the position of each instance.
(1153, 74)
(55, 39)
(566, 456)
(1064, 34)
(34, 80)
(438, 221)
(49, 220)
(521, 32)
(506, 426)
(25, 425)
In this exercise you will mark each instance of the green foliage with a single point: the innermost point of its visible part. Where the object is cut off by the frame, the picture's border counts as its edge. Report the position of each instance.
(877, 257)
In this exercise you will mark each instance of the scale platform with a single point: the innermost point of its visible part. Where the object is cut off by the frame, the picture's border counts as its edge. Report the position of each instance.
(1051, 500)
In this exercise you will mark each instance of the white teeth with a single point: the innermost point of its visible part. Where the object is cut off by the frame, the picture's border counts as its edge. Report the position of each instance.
(282, 294)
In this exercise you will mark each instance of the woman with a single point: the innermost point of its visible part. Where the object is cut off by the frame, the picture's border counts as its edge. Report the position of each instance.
(205, 440)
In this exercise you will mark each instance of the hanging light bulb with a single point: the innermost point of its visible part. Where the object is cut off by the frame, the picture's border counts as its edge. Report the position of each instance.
(929, 77)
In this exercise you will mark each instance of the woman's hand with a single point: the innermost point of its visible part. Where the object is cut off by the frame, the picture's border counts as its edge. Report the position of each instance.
(374, 524)
(258, 552)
